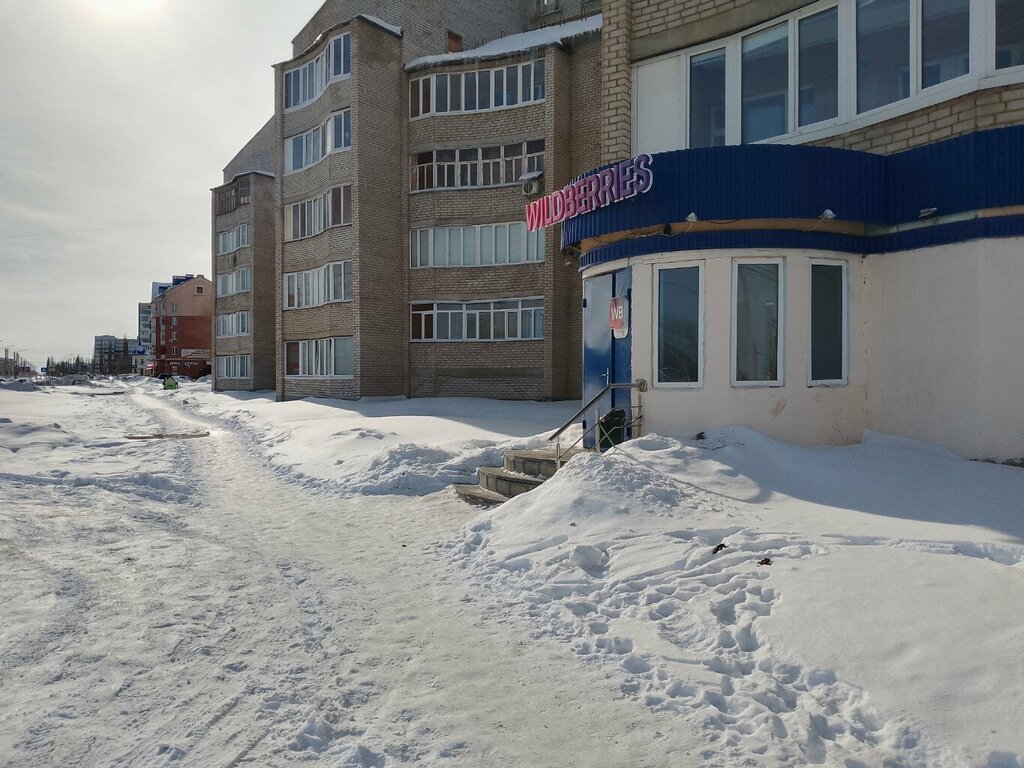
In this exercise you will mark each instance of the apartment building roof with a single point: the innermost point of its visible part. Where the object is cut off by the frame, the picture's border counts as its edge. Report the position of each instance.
(239, 175)
(391, 28)
(519, 43)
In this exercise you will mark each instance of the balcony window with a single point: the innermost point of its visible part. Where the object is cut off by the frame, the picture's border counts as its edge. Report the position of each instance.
(883, 52)
(765, 69)
(819, 67)
(945, 40)
(707, 99)
(1009, 33)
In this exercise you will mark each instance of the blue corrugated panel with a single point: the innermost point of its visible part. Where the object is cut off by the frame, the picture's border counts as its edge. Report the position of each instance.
(977, 171)
(746, 182)
(973, 172)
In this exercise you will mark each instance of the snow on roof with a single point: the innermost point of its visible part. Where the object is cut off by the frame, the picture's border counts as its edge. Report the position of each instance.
(243, 173)
(522, 42)
(397, 31)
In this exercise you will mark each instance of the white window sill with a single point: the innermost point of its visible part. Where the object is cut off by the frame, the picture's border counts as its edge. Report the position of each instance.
(315, 99)
(309, 376)
(310, 237)
(316, 306)
(464, 112)
(478, 266)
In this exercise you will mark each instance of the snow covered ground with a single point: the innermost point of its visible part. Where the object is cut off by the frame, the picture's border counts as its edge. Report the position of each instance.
(298, 587)
(375, 445)
(853, 606)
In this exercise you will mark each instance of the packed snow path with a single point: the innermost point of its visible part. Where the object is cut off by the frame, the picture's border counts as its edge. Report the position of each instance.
(179, 603)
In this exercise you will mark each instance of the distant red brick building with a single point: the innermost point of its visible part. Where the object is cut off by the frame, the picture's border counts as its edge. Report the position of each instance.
(183, 328)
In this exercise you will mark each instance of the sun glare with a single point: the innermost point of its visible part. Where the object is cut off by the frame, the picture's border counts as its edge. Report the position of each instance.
(122, 9)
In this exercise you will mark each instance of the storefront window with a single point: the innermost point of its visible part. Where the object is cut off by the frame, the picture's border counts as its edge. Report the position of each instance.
(945, 40)
(828, 322)
(819, 67)
(883, 52)
(679, 329)
(756, 322)
(765, 83)
(707, 99)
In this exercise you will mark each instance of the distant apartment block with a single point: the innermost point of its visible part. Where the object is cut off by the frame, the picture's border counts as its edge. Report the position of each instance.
(182, 327)
(111, 355)
(145, 337)
(244, 244)
(372, 235)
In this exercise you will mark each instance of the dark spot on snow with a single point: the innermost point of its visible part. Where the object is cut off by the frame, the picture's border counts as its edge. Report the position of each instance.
(765, 561)
(718, 549)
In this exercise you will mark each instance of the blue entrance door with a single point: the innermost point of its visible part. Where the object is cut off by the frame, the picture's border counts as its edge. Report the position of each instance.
(606, 359)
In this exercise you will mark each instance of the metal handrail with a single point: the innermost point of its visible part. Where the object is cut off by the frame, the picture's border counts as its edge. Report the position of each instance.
(634, 423)
(640, 385)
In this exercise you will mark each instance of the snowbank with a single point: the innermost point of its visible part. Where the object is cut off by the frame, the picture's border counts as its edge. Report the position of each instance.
(376, 445)
(798, 604)
(18, 385)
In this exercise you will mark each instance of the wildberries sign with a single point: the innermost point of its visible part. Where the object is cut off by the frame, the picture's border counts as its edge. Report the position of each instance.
(609, 185)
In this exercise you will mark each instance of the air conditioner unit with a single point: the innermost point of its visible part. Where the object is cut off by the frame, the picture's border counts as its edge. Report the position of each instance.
(531, 187)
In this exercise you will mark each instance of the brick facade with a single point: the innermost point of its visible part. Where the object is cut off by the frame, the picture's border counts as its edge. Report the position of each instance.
(660, 26)
(384, 209)
(977, 111)
(616, 78)
(182, 328)
(252, 166)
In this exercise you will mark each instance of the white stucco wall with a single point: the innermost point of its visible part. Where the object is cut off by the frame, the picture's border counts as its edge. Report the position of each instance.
(936, 350)
(793, 411)
(946, 346)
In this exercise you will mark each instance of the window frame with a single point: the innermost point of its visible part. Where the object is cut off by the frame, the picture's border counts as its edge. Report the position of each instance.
(428, 96)
(322, 74)
(322, 134)
(845, 380)
(320, 208)
(233, 324)
(234, 360)
(232, 281)
(474, 308)
(309, 352)
(701, 265)
(319, 282)
(231, 240)
(981, 74)
(537, 240)
(426, 169)
(780, 379)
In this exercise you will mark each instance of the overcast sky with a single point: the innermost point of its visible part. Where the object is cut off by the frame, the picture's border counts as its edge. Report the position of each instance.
(116, 119)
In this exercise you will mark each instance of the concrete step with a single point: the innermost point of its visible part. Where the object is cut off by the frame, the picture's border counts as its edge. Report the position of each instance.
(537, 462)
(474, 494)
(506, 483)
